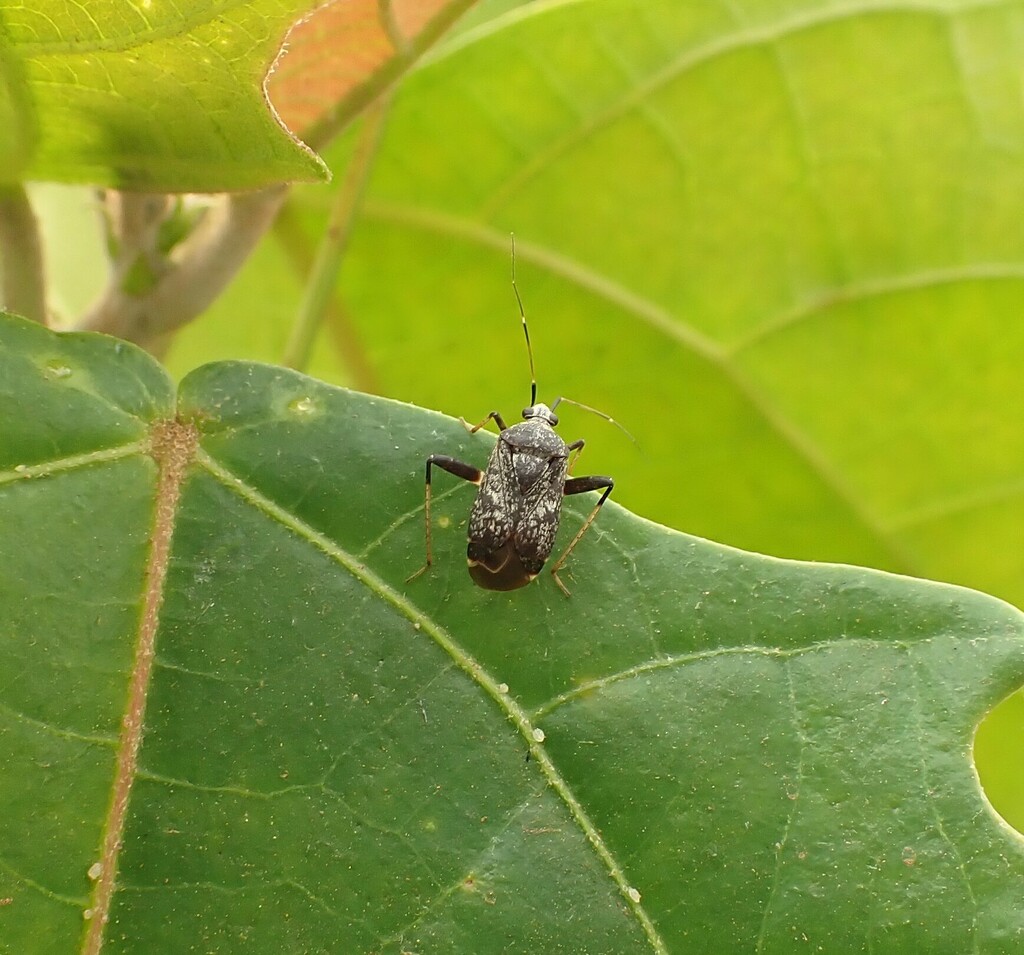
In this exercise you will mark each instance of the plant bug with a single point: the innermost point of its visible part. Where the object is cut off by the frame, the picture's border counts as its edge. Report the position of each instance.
(518, 508)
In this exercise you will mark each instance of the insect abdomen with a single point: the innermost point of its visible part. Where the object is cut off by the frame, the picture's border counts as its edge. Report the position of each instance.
(501, 569)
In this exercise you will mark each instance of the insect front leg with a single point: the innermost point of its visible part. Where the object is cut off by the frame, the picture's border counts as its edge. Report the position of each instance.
(581, 485)
(575, 450)
(460, 469)
(494, 416)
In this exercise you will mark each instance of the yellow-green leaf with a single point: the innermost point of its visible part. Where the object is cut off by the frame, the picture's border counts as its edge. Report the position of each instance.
(146, 94)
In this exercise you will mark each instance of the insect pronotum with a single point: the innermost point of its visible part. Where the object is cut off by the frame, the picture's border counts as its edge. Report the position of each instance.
(516, 514)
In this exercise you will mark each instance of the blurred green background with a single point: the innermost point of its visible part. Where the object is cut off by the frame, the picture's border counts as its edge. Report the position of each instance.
(781, 242)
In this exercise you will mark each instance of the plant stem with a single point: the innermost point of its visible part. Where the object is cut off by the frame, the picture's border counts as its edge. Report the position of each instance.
(300, 251)
(324, 274)
(22, 282)
(200, 268)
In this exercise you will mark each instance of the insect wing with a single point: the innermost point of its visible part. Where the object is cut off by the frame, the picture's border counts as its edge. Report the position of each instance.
(491, 521)
(540, 513)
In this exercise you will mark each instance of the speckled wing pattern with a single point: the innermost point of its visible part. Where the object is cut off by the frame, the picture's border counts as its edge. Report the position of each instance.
(520, 497)
(540, 511)
(491, 520)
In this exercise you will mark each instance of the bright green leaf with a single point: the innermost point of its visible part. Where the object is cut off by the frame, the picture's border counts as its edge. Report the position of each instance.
(146, 95)
(700, 750)
(780, 242)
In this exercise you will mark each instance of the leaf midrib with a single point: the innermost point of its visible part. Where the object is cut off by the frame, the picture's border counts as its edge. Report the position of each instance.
(172, 445)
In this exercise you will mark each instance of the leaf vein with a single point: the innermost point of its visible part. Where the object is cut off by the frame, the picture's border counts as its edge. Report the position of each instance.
(96, 739)
(71, 462)
(78, 903)
(780, 846)
(446, 892)
(876, 287)
(700, 55)
(467, 663)
(696, 656)
(930, 799)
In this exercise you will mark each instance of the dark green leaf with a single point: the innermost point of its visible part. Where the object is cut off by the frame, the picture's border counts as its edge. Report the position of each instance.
(700, 750)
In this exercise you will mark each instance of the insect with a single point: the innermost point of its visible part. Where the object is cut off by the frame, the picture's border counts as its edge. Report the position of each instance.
(518, 508)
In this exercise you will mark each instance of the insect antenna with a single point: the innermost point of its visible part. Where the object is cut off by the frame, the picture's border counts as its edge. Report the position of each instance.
(526, 330)
(600, 414)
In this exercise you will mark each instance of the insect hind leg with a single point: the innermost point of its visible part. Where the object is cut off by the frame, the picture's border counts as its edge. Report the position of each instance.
(461, 470)
(581, 485)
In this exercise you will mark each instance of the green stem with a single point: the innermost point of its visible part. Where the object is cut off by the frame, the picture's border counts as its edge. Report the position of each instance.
(199, 268)
(300, 251)
(22, 285)
(324, 275)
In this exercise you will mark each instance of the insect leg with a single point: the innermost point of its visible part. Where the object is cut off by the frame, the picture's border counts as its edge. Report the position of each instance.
(581, 485)
(575, 450)
(465, 471)
(493, 416)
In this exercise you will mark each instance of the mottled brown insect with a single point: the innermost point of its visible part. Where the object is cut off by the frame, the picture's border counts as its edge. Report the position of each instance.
(517, 511)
